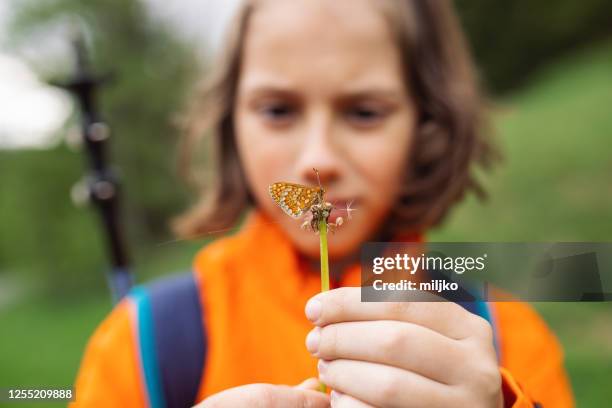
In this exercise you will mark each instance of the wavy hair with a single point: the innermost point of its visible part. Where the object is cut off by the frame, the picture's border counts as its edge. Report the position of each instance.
(449, 140)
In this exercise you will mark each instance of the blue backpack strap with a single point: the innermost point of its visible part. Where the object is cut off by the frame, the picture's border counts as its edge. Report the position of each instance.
(171, 339)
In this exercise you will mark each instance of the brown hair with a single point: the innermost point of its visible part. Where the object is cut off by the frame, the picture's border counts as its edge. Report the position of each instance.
(449, 139)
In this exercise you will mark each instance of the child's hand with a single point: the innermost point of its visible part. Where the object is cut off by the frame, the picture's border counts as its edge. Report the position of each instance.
(404, 354)
(269, 396)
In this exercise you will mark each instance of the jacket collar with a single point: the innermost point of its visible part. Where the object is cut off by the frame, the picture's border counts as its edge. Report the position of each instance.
(270, 248)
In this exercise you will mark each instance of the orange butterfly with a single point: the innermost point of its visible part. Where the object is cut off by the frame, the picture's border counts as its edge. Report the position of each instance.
(295, 199)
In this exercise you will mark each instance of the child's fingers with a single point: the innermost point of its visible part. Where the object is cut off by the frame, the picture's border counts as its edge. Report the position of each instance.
(382, 386)
(266, 396)
(344, 305)
(404, 345)
(311, 383)
(292, 397)
(339, 400)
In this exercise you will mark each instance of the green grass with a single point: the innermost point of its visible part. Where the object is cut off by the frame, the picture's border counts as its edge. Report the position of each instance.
(555, 184)
(42, 341)
(556, 179)
(585, 330)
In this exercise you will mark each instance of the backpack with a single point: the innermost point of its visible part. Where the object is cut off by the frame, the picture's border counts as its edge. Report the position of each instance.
(172, 342)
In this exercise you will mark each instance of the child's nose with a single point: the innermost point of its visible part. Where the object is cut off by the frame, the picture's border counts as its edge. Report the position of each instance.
(319, 151)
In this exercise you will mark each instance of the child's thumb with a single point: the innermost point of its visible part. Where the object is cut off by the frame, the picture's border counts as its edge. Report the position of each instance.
(311, 383)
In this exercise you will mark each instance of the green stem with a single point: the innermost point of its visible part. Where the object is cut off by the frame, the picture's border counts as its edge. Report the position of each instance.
(324, 257)
(324, 267)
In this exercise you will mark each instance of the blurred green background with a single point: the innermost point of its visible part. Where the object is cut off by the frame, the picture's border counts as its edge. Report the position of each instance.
(547, 64)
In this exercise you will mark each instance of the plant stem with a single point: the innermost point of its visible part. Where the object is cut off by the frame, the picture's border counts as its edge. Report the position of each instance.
(324, 267)
(324, 257)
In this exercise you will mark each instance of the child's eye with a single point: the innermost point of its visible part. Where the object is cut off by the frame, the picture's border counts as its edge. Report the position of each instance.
(363, 116)
(277, 113)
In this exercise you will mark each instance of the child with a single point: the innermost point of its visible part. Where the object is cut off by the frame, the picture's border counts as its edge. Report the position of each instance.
(380, 97)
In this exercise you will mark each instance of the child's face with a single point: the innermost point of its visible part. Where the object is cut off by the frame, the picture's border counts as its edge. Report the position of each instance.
(321, 86)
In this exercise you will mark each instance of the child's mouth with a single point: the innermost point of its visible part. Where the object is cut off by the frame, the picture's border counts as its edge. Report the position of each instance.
(342, 208)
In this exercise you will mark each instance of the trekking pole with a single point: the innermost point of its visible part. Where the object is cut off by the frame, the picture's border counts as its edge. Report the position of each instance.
(101, 183)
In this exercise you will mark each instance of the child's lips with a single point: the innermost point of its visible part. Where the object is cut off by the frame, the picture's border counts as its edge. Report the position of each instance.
(334, 215)
(342, 208)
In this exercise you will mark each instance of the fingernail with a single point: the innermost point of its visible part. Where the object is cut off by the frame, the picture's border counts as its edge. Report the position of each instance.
(322, 366)
(335, 395)
(312, 340)
(313, 310)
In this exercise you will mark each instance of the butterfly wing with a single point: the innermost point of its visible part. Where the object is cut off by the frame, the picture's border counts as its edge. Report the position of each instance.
(294, 199)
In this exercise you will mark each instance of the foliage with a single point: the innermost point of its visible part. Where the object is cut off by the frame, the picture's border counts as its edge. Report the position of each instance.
(512, 39)
(42, 232)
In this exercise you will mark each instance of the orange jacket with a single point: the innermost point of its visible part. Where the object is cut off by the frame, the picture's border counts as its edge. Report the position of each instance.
(254, 288)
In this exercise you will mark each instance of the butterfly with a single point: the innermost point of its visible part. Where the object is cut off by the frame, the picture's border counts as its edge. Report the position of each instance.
(295, 199)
